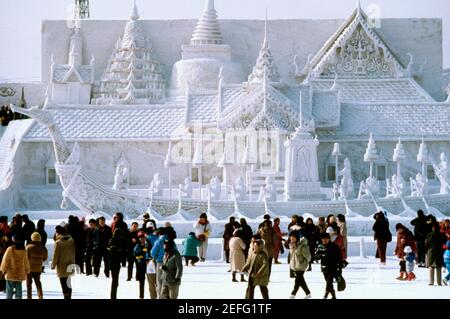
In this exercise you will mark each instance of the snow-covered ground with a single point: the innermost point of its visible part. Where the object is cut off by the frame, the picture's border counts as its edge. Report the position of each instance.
(366, 279)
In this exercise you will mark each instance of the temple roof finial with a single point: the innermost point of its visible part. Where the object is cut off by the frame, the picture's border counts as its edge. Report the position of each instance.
(134, 11)
(265, 29)
(207, 30)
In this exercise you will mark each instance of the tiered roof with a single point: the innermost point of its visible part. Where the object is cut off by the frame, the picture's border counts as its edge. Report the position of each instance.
(134, 74)
(207, 30)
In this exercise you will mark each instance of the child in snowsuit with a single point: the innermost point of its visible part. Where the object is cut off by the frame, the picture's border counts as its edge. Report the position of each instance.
(447, 262)
(410, 257)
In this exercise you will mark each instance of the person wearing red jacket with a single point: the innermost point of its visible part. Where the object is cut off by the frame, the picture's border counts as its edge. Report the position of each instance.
(404, 238)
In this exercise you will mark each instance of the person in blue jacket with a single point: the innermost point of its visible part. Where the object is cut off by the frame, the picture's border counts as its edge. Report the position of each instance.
(158, 256)
(447, 262)
(190, 245)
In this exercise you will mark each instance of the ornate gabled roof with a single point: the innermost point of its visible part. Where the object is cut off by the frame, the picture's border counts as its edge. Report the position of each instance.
(264, 107)
(264, 63)
(207, 30)
(133, 74)
(355, 51)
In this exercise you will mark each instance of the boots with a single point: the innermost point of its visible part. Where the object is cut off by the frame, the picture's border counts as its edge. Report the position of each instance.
(276, 262)
(411, 276)
(402, 276)
(333, 295)
(234, 277)
(243, 279)
(325, 296)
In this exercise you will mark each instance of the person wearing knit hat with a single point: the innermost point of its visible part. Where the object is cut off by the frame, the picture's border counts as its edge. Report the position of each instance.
(447, 262)
(330, 262)
(37, 255)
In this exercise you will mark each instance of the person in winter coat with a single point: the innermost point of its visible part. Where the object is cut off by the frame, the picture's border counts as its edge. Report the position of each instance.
(227, 235)
(28, 228)
(157, 253)
(322, 225)
(64, 259)
(143, 257)
(410, 257)
(434, 244)
(278, 244)
(102, 236)
(300, 262)
(257, 267)
(270, 240)
(382, 235)
(445, 228)
(421, 230)
(294, 222)
(343, 232)
(335, 235)
(16, 227)
(311, 232)
(237, 257)
(404, 238)
(40, 228)
(190, 245)
(117, 251)
(172, 271)
(75, 229)
(203, 230)
(4, 225)
(37, 254)
(90, 245)
(330, 261)
(3, 247)
(132, 241)
(246, 235)
(15, 266)
(447, 262)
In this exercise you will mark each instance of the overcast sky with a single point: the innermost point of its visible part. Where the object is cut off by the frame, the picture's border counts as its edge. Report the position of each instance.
(20, 20)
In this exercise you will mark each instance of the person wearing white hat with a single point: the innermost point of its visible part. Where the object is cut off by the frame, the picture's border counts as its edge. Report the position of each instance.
(410, 258)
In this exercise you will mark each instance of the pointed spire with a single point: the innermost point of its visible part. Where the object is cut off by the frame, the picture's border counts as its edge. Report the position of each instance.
(423, 155)
(265, 30)
(300, 117)
(22, 101)
(134, 15)
(265, 90)
(264, 62)
(207, 30)
(358, 6)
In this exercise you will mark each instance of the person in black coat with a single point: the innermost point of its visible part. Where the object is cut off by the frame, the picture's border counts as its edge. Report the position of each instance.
(421, 230)
(117, 250)
(312, 233)
(382, 235)
(132, 241)
(434, 245)
(246, 235)
(28, 228)
(102, 235)
(90, 245)
(330, 262)
(227, 235)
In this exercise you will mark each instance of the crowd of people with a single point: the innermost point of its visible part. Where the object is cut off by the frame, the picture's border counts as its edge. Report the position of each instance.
(152, 254)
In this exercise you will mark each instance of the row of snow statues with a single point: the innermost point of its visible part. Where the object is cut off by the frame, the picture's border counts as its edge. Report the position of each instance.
(214, 189)
(396, 186)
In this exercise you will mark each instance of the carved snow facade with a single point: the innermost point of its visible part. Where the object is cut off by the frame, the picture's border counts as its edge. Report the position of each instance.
(355, 85)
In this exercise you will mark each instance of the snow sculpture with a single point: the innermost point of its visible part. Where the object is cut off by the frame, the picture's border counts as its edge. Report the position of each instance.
(335, 191)
(215, 188)
(346, 188)
(186, 189)
(397, 182)
(262, 194)
(302, 172)
(122, 177)
(270, 190)
(418, 185)
(157, 185)
(368, 188)
(442, 172)
(239, 189)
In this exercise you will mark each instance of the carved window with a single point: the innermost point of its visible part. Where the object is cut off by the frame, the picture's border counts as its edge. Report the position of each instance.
(331, 173)
(431, 174)
(52, 178)
(380, 172)
(194, 174)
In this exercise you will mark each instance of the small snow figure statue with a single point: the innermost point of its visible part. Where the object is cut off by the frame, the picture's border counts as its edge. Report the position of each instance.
(410, 257)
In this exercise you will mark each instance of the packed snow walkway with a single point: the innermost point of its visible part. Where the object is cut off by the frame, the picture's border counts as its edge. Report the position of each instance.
(366, 279)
